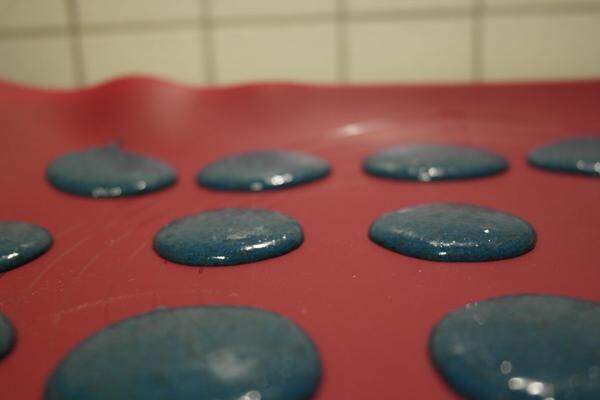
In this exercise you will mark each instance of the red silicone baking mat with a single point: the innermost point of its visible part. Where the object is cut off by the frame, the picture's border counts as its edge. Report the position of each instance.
(369, 310)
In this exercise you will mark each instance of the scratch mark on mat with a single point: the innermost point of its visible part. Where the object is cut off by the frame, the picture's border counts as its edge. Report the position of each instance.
(87, 265)
(90, 304)
(135, 252)
(56, 260)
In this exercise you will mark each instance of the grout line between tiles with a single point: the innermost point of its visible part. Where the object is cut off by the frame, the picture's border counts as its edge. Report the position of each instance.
(33, 32)
(139, 26)
(410, 15)
(545, 9)
(274, 20)
(208, 43)
(341, 38)
(76, 45)
(226, 22)
(477, 42)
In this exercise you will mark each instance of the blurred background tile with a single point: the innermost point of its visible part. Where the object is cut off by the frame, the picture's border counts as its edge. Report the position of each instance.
(540, 3)
(541, 47)
(277, 52)
(171, 54)
(237, 8)
(37, 61)
(103, 11)
(223, 41)
(438, 50)
(32, 13)
(405, 5)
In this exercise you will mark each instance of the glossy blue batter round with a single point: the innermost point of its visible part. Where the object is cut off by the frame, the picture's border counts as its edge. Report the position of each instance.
(228, 236)
(526, 347)
(7, 336)
(263, 170)
(577, 155)
(109, 172)
(196, 353)
(453, 232)
(20, 243)
(428, 162)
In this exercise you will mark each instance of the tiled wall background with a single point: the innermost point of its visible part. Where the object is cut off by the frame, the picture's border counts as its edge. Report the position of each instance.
(69, 43)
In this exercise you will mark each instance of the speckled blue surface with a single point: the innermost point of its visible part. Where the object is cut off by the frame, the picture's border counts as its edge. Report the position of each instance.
(433, 162)
(263, 170)
(577, 155)
(20, 243)
(228, 236)
(527, 347)
(109, 172)
(453, 232)
(7, 336)
(225, 353)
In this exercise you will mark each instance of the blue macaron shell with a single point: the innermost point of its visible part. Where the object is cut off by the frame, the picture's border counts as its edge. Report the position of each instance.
(263, 170)
(576, 155)
(109, 172)
(194, 353)
(227, 237)
(430, 162)
(21, 242)
(525, 347)
(453, 232)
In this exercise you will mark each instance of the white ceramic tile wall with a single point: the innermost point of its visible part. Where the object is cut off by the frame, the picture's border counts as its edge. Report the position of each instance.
(421, 50)
(107, 11)
(244, 8)
(69, 43)
(32, 13)
(532, 47)
(277, 52)
(173, 55)
(406, 5)
(37, 61)
(536, 3)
